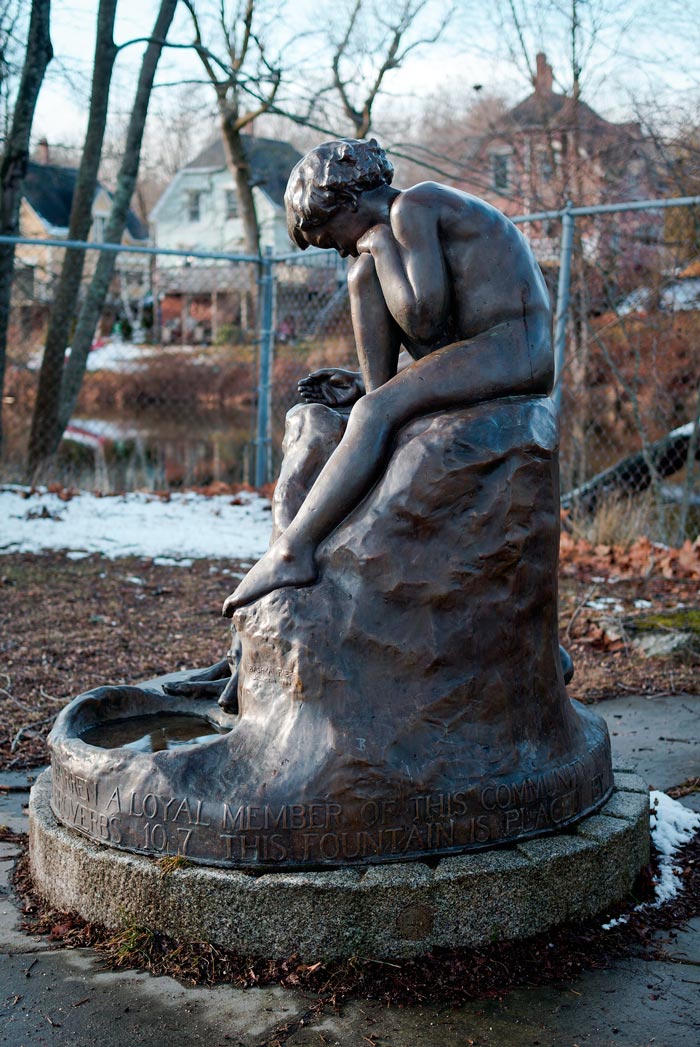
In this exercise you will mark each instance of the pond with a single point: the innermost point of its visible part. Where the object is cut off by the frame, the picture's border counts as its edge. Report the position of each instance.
(158, 448)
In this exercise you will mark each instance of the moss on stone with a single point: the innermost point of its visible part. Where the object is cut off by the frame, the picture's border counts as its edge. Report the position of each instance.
(682, 620)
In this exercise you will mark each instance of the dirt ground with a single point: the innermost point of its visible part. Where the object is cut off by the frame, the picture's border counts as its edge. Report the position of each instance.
(68, 625)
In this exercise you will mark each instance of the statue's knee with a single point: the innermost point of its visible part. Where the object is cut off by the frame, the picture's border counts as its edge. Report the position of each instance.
(370, 413)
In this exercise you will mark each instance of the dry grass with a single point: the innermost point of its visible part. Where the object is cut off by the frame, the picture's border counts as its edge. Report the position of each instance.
(618, 520)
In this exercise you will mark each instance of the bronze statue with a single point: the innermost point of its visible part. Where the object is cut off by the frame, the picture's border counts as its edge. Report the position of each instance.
(441, 273)
(396, 672)
(429, 276)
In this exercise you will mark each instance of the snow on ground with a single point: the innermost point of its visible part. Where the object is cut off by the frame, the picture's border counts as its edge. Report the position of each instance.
(672, 826)
(117, 355)
(188, 526)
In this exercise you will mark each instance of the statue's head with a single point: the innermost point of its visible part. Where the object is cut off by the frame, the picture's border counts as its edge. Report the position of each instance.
(330, 178)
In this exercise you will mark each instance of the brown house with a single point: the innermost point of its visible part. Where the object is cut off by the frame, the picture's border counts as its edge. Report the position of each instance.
(551, 148)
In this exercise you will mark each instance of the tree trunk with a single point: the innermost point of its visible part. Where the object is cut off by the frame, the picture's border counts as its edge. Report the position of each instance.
(14, 165)
(126, 183)
(44, 435)
(240, 169)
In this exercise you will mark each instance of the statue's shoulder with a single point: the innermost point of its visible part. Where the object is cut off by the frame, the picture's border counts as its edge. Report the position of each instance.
(439, 198)
(422, 192)
(418, 207)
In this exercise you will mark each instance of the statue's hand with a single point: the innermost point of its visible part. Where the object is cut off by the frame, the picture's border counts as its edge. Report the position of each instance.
(217, 681)
(373, 239)
(332, 386)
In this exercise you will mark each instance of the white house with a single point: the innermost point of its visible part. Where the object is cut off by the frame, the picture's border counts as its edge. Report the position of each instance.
(199, 212)
(199, 209)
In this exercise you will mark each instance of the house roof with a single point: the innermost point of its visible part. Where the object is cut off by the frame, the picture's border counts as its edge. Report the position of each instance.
(271, 162)
(553, 110)
(49, 189)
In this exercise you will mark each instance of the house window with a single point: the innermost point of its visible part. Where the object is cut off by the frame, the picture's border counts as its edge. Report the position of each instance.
(500, 171)
(231, 204)
(547, 161)
(194, 205)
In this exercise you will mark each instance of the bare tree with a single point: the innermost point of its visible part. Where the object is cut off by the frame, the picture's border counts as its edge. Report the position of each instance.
(369, 46)
(42, 439)
(246, 82)
(126, 184)
(39, 53)
(11, 54)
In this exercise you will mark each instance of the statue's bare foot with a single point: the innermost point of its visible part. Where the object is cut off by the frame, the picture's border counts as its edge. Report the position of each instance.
(281, 565)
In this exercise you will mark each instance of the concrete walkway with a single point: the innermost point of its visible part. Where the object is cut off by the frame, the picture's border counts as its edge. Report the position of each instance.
(62, 997)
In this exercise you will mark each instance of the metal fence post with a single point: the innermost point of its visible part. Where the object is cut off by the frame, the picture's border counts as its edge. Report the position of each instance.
(262, 439)
(563, 285)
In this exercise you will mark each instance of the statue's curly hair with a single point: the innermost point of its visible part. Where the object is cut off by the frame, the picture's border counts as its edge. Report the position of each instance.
(329, 176)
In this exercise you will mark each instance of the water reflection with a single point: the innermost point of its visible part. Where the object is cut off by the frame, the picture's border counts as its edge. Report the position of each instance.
(160, 448)
(153, 733)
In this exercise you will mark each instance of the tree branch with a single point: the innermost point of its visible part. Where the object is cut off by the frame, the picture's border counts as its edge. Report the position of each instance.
(340, 85)
(205, 55)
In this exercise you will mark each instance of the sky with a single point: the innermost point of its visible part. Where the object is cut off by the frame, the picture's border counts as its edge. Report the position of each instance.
(640, 55)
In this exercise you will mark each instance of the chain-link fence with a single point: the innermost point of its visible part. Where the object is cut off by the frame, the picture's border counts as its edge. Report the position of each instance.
(197, 356)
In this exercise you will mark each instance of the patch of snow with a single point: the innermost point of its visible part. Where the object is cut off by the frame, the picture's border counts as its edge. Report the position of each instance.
(606, 603)
(681, 295)
(101, 429)
(662, 644)
(672, 826)
(186, 527)
(637, 301)
(118, 356)
(615, 923)
(642, 605)
(134, 579)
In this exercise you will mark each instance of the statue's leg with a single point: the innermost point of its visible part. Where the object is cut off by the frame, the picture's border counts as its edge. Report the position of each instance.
(510, 359)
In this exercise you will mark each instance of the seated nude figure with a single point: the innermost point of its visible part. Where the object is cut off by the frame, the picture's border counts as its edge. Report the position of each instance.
(438, 272)
(441, 274)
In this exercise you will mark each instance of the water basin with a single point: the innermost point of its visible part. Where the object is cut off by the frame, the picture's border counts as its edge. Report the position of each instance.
(152, 733)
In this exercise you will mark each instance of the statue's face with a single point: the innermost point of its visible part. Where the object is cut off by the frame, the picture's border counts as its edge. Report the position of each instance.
(339, 233)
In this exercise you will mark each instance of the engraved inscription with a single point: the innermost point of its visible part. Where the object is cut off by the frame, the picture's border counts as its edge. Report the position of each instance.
(75, 801)
(289, 816)
(237, 831)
